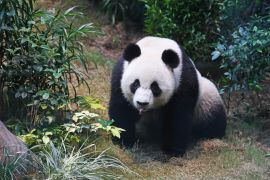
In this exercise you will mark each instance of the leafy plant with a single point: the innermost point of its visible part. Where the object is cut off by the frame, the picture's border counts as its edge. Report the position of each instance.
(71, 132)
(54, 133)
(41, 62)
(65, 163)
(246, 56)
(86, 120)
(194, 24)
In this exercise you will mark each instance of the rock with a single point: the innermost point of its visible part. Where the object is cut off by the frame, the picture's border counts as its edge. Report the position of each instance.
(13, 149)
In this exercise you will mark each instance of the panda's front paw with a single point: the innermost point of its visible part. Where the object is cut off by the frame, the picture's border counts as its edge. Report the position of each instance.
(174, 152)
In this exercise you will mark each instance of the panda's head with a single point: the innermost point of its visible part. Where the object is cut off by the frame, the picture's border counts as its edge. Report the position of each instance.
(149, 79)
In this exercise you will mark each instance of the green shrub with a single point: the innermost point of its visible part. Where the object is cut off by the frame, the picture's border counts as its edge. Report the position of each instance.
(40, 59)
(123, 10)
(194, 24)
(14, 14)
(115, 9)
(246, 55)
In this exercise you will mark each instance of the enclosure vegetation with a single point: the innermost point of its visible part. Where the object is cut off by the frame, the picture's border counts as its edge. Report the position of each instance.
(41, 60)
(44, 65)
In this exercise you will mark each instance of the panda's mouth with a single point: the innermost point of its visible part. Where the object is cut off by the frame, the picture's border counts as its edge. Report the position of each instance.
(142, 110)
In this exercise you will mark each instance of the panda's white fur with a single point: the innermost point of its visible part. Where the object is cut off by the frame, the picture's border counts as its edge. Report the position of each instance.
(149, 67)
(208, 98)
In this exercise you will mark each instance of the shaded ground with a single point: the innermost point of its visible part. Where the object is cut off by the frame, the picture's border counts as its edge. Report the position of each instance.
(238, 156)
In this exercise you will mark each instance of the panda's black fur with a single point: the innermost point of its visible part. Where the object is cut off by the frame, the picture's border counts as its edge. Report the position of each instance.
(176, 115)
(120, 109)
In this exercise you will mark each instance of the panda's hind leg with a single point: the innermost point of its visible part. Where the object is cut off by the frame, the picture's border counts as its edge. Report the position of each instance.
(211, 126)
(209, 120)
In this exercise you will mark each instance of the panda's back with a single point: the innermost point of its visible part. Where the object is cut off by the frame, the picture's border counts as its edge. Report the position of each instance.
(208, 100)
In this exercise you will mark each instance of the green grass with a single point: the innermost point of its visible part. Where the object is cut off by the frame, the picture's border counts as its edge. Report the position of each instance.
(255, 154)
(230, 158)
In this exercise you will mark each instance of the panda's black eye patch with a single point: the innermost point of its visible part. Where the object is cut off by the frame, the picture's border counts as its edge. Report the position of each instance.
(134, 86)
(155, 89)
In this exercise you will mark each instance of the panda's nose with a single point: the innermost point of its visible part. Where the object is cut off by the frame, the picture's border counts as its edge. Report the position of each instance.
(142, 104)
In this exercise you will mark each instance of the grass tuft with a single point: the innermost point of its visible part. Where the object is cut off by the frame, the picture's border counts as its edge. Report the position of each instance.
(68, 163)
(17, 165)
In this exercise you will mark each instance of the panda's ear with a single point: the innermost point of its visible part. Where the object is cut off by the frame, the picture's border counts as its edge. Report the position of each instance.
(132, 51)
(170, 58)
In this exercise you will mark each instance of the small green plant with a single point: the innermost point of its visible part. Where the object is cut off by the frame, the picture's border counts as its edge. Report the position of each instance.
(86, 120)
(54, 133)
(64, 162)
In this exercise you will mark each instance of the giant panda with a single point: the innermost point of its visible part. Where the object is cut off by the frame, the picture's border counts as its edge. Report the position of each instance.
(154, 79)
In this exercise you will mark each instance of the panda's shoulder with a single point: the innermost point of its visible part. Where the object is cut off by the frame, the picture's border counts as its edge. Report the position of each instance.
(189, 80)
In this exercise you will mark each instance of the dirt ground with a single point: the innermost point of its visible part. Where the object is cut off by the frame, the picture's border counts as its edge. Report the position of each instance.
(240, 155)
